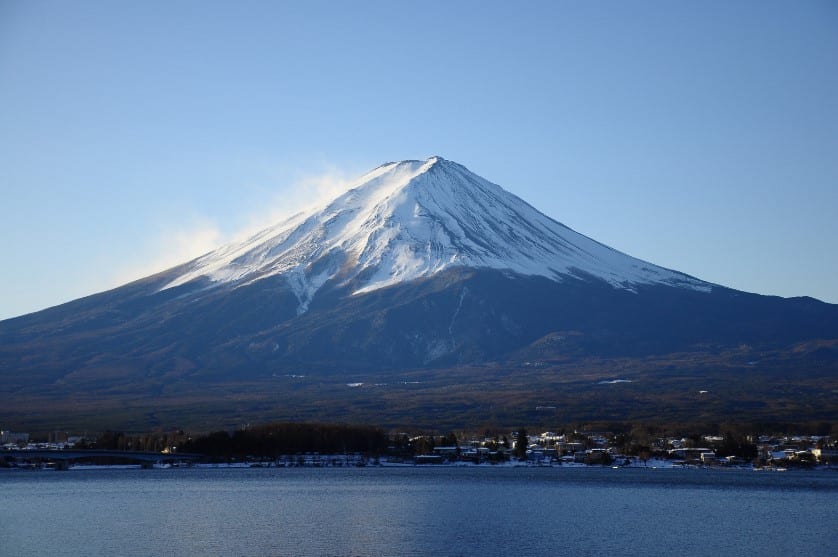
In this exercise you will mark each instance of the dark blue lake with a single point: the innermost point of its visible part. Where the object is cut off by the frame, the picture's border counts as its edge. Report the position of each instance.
(417, 511)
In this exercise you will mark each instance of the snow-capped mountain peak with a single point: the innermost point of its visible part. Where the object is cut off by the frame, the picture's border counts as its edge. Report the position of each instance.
(411, 219)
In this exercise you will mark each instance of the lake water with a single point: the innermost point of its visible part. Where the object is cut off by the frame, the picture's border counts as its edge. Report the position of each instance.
(418, 511)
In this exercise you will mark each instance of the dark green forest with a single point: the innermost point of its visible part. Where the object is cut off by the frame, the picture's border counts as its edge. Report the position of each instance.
(272, 440)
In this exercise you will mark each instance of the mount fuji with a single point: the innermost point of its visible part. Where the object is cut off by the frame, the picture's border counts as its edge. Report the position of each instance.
(414, 219)
(424, 290)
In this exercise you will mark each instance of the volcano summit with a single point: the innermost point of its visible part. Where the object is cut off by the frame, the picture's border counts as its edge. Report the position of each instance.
(414, 219)
(442, 299)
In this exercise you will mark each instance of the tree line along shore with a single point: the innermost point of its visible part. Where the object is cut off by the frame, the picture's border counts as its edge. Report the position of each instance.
(758, 445)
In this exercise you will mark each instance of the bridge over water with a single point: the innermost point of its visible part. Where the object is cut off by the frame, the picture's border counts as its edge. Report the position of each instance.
(64, 458)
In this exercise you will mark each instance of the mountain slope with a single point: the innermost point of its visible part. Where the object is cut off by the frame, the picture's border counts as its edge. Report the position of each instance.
(435, 287)
(413, 219)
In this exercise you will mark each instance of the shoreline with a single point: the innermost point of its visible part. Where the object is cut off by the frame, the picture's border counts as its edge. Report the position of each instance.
(386, 464)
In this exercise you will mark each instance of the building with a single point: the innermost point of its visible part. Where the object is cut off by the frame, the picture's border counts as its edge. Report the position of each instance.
(826, 456)
(12, 437)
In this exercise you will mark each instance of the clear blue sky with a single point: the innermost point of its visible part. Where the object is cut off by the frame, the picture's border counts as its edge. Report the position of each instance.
(701, 136)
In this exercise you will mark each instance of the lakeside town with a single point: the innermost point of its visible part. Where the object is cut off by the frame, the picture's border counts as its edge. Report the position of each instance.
(62, 451)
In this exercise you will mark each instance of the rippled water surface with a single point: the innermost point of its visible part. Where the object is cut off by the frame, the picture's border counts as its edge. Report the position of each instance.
(417, 511)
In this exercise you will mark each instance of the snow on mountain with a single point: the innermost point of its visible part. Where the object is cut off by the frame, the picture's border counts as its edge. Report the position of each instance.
(411, 219)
